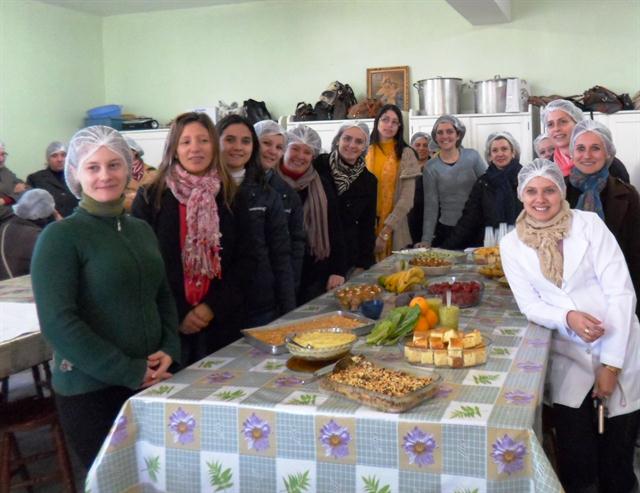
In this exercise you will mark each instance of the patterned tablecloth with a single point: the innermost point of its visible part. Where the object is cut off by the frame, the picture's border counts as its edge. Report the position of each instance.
(25, 351)
(238, 420)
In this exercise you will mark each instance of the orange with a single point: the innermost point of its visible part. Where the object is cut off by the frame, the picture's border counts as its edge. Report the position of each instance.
(422, 303)
(422, 324)
(432, 318)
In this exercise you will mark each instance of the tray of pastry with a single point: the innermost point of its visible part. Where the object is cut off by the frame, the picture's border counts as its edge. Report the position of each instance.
(373, 384)
(447, 348)
(271, 338)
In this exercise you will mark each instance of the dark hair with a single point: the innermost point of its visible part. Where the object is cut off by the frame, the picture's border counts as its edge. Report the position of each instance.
(253, 166)
(169, 157)
(399, 137)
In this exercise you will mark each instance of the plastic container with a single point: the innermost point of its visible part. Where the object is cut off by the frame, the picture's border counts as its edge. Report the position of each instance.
(106, 111)
(107, 122)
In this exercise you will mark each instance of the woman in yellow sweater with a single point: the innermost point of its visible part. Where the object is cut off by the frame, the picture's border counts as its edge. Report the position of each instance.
(395, 164)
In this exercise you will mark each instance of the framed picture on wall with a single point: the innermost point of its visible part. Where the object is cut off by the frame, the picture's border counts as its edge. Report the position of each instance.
(390, 85)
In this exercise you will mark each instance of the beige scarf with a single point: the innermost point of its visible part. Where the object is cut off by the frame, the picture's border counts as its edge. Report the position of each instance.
(544, 238)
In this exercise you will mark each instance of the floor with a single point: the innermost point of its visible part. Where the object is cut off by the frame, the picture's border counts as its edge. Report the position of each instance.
(21, 385)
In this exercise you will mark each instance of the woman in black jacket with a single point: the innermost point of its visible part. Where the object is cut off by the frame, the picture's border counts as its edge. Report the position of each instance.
(324, 265)
(357, 191)
(270, 285)
(273, 139)
(192, 207)
(493, 198)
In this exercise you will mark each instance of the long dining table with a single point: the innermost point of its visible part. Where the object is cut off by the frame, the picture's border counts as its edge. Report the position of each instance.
(239, 420)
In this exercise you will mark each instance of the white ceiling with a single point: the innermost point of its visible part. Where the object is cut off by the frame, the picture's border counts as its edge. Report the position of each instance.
(105, 8)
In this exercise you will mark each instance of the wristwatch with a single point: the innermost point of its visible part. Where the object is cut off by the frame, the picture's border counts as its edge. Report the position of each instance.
(612, 369)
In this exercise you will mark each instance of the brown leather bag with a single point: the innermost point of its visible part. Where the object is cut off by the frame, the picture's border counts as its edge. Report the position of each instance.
(367, 108)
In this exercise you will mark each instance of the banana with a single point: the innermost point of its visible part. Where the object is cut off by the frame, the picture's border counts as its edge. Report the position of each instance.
(399, 281)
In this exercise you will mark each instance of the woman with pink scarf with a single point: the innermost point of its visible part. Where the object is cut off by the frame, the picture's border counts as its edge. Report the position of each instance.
(191, 207)
(559, 118)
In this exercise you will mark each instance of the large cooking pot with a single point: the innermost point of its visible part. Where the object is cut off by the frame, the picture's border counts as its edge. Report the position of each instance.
(490, 96)
(439, 95)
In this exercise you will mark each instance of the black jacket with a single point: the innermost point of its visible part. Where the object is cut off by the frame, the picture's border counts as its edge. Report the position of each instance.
(479, 212)
(621, 205)
(47, 179)
(270, 286)
(357, 208)
(315, 273)
(293, 209)
(225, 296)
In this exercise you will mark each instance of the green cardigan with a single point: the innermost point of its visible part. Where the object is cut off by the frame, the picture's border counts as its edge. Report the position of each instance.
(103, 301)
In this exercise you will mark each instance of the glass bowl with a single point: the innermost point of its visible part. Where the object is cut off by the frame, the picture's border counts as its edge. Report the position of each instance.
(320, 340)
(465, 297)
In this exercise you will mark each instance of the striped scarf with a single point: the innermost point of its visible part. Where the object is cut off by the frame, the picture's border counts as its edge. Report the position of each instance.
(344, 174)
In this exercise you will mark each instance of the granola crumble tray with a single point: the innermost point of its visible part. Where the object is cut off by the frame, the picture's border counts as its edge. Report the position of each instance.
(387, 389)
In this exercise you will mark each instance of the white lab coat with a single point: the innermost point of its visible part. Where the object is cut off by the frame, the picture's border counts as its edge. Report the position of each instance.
(596, 281)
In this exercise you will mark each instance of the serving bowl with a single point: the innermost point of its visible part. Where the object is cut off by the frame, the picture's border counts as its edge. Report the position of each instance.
(326, 344)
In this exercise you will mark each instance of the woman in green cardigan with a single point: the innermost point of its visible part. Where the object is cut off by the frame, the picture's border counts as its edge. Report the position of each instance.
(103, 299)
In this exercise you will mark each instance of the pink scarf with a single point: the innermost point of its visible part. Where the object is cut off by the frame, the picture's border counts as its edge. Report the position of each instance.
(201, 252)
(564, 162)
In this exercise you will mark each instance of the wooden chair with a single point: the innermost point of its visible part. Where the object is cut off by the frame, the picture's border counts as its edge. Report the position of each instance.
(26, 415)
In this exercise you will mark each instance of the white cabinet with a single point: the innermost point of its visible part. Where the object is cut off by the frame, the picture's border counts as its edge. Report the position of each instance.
(151, 141)
(327, 129)
(479, 126)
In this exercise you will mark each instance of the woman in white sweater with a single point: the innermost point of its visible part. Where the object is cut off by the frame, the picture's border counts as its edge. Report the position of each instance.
(568, 273)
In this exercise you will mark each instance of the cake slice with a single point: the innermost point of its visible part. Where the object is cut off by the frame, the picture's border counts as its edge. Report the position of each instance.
(472, 339)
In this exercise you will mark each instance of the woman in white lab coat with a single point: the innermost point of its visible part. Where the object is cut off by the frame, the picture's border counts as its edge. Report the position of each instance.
(568, 274)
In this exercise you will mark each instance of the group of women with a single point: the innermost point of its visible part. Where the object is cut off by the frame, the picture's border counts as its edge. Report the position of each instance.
(242, 223)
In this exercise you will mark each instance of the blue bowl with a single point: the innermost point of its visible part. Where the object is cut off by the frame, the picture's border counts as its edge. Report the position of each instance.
(372, 309)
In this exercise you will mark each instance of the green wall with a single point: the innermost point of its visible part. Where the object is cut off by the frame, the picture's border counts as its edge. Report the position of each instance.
(55, 63)
(51, 71)
(288, 51)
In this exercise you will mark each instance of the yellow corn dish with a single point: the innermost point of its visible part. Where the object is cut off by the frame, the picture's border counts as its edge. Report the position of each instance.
(323, 340)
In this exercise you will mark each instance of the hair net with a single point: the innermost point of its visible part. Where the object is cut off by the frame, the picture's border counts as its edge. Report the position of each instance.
(457, 124)
(2, 146)
(268, 127)
(501, 135)
(600, 130)
(544, 168)
(134, 146)
(420, 135)
(539, 139)
(85, 143)
(307, 136)
(362, 126)
(34, 204)
(54, 147)
(568, 107)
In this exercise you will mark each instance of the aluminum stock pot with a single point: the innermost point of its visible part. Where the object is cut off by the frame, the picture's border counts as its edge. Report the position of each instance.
(490, 96)
(439, 95)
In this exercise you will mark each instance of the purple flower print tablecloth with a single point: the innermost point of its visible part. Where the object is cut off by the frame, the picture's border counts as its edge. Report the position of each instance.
(239, 420)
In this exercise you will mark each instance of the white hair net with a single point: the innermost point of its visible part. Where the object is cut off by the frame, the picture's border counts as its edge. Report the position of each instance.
(85, 143)
(600, 130)
(539, 139)
(420, 135)
(501, 135)
(2, 146)
(134, 146)
(307, 136)
(362, 126)
(457, 124)
(34, 204)
(544, 168)
(54, 147)
(568, 107)
(268, 127)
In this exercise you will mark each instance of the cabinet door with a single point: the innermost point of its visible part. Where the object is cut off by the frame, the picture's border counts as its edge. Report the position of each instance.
(517, 125)
(625, 129)
(152, 142)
